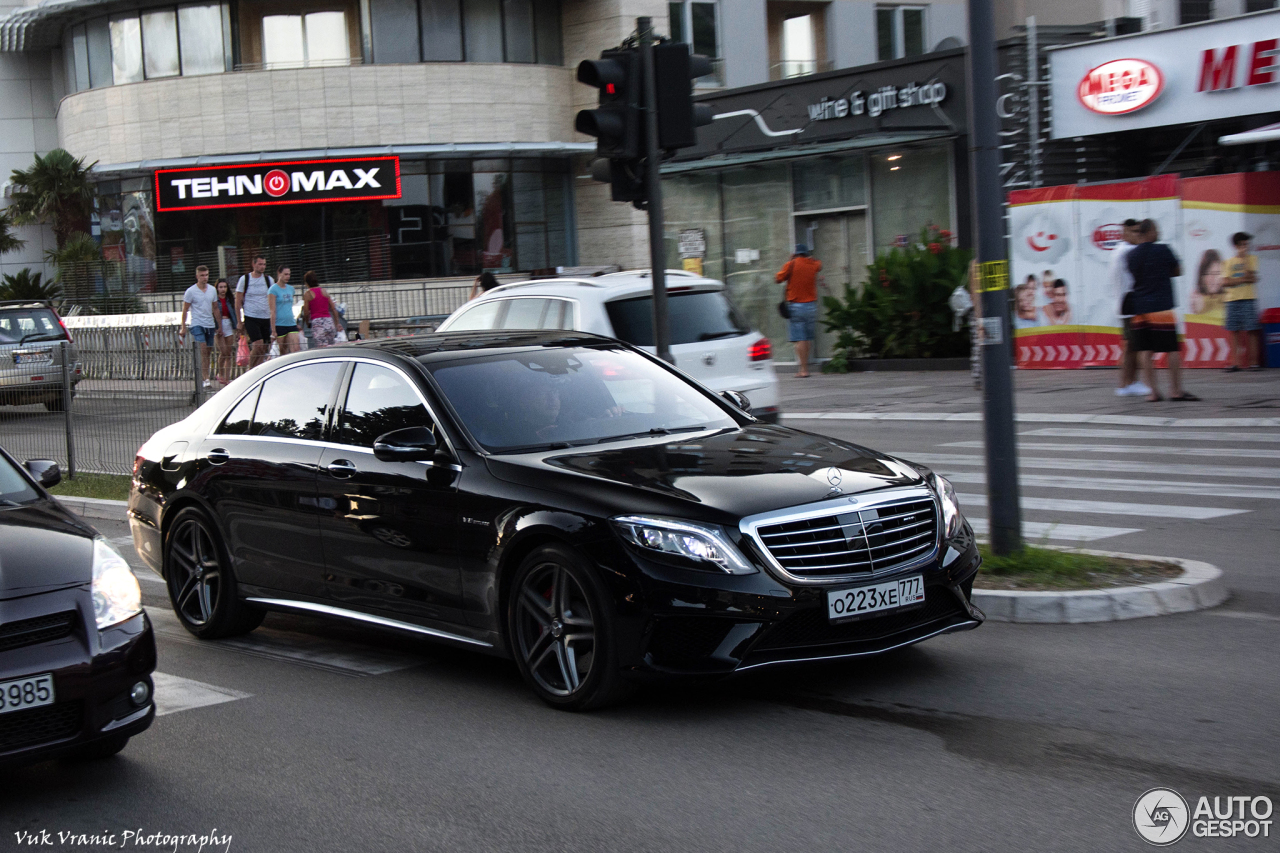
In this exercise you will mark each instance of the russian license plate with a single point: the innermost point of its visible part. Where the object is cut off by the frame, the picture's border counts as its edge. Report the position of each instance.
(22, 693)
(890, 595)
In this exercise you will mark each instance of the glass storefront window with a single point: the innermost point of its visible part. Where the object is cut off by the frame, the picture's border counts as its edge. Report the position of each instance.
(160, 43)
(495, 237)
(910, 190)
(830, 183)
(201, 38)
(126, 50)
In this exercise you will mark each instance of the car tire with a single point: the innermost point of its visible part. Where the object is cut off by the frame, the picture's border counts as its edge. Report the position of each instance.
(201, 581)
(560, 631)
(100, 749)
(55, 404)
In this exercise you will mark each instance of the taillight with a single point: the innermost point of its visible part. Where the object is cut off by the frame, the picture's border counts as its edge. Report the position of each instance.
(65, 332)
(761, 350)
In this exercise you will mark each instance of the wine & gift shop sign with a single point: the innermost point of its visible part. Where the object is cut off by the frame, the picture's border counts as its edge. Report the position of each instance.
(288, 182)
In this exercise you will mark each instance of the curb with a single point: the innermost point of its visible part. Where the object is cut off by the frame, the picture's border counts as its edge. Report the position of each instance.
(1200, 587)
(96, 508)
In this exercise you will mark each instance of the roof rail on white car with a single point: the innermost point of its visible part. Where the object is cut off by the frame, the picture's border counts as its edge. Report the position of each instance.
(581, 282)
(645, 274)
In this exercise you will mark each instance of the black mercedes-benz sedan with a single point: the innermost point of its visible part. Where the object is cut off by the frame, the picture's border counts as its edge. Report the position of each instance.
(563, 499)
(76, 650)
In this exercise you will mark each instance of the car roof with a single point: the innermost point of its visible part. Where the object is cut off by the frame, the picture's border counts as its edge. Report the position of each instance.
(437, 346)
(26, 303)
(603, 288)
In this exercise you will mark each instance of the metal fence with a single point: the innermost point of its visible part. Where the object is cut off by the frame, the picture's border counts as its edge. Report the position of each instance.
(132, 382)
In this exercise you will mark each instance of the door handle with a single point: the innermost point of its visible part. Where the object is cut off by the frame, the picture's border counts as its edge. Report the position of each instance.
(341, 468)
(219, 456)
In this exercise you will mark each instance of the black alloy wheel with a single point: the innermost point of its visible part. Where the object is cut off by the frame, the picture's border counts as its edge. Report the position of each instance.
(202, 587)
(561, 632)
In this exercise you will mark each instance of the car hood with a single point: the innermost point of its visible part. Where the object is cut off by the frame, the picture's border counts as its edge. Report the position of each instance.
(42, 548)
(739, 472)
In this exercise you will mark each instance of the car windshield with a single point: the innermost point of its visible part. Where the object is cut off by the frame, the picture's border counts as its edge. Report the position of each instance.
(14, 488)
(696, 316)
(538, 399)
(32, 324)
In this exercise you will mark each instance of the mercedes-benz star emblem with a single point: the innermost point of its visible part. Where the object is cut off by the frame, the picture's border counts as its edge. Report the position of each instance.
(709, 359)
(834, 476)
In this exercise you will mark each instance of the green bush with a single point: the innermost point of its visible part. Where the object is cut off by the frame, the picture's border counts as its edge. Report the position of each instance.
(901, 311)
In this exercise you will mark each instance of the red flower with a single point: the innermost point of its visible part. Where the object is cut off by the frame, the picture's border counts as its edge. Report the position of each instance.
(944, 234)
(936, 248)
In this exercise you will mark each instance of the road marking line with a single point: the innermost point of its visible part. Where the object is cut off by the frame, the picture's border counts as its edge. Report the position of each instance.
(1165, 435)
(1134, 449)
(1035, 417)
(293, 647)
(1049, 530)
(1110, 508)
(1095, 484)
(174, 693)
(1111, 466)
(1244, 614)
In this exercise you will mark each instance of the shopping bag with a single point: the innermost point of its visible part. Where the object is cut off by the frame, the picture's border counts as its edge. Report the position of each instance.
(274, 352)
(242, 352)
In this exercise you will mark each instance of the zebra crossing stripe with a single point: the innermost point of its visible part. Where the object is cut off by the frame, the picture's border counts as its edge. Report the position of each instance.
(1098, 484)
(174, 693)
(1162, 434)
(1068, 532)
(1110, 508)
(1136, 449)
(1114, 466)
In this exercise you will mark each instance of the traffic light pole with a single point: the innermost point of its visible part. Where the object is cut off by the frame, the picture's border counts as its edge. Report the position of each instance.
(993, 268)
(653, 190)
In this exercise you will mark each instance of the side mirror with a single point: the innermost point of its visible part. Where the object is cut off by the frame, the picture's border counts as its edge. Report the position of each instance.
(411, 444)
(46, 472)
(738, 399)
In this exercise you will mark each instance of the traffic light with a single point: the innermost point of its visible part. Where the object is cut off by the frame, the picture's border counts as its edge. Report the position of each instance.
(679, 118)
(618, 122)
(624, 177)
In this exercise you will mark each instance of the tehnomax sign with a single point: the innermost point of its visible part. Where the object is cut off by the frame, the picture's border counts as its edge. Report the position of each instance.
(1199, 72)
(292, 182)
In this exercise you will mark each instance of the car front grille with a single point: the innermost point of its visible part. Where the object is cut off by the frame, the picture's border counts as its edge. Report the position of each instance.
(875, 539)
(40, 629)
(39, 725)
(812, 628)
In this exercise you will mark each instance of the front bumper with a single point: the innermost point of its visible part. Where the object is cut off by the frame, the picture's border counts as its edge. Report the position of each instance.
(93, 672)
(709, 625)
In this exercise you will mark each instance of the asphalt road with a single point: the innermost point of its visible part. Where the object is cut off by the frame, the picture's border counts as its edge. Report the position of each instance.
(307, 736)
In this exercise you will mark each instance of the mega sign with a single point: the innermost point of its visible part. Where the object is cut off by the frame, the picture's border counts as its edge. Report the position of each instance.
(297, 182)
(1218, 68)
(1120, 86)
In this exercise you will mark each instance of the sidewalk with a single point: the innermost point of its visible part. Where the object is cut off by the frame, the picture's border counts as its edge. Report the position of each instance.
(1074, 395)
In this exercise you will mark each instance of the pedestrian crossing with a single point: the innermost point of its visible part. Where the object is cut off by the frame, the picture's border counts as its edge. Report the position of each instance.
(1071, 478)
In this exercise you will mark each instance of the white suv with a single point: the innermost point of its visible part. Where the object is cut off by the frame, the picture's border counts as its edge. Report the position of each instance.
(709, 339)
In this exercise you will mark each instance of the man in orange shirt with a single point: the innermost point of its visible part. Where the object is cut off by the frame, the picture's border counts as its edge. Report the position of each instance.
(801, 276)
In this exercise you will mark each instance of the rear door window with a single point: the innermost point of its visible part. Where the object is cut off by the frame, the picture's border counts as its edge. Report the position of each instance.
(524, 313)
(379, 400)
(239, 421)
(695, 316)
(295, 402)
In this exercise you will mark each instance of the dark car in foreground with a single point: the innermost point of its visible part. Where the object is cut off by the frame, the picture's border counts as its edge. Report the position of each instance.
(561, 498)
(76, 649)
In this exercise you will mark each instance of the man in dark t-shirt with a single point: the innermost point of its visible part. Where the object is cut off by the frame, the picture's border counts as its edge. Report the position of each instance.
(1154, 325)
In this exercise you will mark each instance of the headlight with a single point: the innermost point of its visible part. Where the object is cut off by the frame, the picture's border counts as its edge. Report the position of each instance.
(950, 506)
(116, 594)
(700, 543)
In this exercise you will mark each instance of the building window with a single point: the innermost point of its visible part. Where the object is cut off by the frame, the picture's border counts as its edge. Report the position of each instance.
(798, 54)
(1194, 11)
(1258, 5)
(164, 42)
(900, 31)
(525, 31)
(697, 24)
(308, 40)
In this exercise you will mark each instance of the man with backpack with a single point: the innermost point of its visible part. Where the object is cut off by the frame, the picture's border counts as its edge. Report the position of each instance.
(254, 309)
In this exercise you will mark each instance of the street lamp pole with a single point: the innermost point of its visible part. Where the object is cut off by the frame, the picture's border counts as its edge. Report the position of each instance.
(1003, 509)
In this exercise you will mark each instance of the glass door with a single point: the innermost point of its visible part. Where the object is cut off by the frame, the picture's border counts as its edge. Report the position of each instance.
(840, 241)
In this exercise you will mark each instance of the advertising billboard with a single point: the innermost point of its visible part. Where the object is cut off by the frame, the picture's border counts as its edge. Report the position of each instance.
(287, 182)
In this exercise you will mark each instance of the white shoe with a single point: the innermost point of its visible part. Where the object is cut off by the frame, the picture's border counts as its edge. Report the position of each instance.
(208, 383)
(1139, 389)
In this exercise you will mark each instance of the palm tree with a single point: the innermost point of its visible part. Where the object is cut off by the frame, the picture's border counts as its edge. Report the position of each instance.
(8, 241)
(25, 284)
(56, 190)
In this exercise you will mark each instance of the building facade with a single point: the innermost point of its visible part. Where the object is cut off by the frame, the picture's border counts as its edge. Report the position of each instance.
(475, 99)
